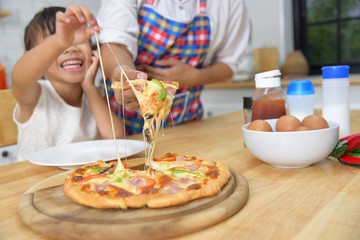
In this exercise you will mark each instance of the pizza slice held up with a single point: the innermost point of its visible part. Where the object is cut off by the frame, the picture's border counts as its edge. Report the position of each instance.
(155, 99)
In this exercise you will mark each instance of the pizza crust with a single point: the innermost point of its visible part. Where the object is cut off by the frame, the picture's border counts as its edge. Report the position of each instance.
(91, 200)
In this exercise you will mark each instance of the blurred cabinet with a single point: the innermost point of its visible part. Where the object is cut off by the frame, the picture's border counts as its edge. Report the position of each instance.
(221, 101)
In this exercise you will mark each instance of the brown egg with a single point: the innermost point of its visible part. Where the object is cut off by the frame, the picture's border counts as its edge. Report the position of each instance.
(260, 125)
(302, 128)
(287, 123)
(314, 122)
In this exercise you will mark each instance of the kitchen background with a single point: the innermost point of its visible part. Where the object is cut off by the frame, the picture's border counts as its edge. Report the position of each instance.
(272, 33)
(269, 25)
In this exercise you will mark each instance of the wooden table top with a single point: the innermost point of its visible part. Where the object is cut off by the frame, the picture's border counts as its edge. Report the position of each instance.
(318, 202)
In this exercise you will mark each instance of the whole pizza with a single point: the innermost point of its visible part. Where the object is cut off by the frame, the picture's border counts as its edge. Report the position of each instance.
(175, 179)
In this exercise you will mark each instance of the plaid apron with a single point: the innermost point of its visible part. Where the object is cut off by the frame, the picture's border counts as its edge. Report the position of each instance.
(163, 38)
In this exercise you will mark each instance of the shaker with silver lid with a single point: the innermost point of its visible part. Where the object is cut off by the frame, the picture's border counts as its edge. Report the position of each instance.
(335, 105)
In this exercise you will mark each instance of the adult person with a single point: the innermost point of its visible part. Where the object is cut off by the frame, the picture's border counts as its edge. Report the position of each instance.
(193, 42)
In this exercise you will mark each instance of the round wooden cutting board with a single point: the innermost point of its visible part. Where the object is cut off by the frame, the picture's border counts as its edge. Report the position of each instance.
(46, 209)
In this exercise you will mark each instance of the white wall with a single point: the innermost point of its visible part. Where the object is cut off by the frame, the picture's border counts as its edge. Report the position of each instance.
(12, 26)
(272, 22)
(272, 25)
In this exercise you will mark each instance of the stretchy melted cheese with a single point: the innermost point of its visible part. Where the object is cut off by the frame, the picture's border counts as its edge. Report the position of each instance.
(155, 99)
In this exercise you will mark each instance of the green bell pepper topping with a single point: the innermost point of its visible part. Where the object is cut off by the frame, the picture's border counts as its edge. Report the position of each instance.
(119, 179)
(176, 171)
(96, 170)
(162, 94)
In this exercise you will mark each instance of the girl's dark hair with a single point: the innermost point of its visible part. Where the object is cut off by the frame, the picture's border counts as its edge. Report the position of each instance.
(44, 22)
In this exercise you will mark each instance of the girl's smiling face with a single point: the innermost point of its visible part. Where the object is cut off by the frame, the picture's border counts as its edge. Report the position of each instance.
(71, 65)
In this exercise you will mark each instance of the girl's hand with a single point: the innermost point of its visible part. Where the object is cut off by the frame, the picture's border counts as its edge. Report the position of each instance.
(75, 26)
(91, 72)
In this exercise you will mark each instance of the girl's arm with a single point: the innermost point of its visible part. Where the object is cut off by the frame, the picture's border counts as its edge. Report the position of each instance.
(29, 69)
(71, 29)
(99, 105)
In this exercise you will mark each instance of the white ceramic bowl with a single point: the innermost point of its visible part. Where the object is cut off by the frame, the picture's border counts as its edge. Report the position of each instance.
(291, 149)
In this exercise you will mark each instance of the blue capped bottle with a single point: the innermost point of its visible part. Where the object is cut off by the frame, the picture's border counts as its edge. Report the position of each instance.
(300, 98)
(335, 105)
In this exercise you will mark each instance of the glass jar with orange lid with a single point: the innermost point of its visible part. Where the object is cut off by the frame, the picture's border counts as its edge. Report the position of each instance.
(268, 100)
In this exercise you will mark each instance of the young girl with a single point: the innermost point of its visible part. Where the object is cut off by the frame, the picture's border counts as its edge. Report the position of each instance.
(65, 106)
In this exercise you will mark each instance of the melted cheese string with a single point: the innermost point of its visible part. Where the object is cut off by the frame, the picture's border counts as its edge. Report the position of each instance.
(149, 153)
(119, 167)
(148, 123)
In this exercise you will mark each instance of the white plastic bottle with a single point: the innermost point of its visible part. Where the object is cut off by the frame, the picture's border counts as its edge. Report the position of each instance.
(300, 98)
(335, 105)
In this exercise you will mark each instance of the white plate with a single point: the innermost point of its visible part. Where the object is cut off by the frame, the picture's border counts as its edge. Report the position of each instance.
(72, 155)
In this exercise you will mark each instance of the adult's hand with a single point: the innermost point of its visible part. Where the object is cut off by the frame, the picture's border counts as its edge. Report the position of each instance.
(186, 75)
(128, 99)
(174, 70)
